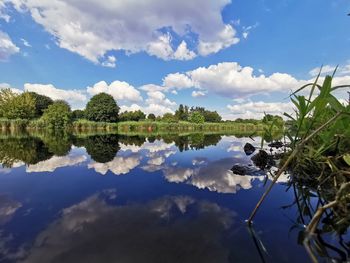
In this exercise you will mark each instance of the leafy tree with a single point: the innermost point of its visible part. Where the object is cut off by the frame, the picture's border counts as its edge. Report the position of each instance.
(57, 116)
(182, 113)
(19, 107)
(212, 116)
(102, 107)
(151, 117)
(168, 117)
(41, 103)
(78, 114)
(197, 117)
(132, 116)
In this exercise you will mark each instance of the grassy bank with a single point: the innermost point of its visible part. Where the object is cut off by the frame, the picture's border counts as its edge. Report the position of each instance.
(7, 125)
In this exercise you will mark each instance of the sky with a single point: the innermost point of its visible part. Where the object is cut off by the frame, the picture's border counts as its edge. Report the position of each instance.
(240, 58)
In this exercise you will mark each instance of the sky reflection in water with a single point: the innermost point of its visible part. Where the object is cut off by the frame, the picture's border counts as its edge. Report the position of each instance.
(131, 199)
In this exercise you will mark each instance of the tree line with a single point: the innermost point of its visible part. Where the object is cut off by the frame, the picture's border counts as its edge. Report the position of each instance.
(101, 108)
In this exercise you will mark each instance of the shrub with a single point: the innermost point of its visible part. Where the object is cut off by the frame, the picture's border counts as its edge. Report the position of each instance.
(196, 117)
(102, 107)
(57, 116)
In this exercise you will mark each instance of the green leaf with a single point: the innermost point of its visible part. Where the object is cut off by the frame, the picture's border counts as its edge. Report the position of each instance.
(346, 158)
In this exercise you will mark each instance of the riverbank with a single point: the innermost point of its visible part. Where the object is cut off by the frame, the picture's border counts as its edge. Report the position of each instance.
(134, 127)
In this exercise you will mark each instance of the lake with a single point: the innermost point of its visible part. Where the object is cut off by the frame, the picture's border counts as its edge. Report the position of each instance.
(114, 198)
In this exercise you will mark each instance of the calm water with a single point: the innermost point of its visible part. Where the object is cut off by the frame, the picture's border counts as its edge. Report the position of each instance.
(134, 199)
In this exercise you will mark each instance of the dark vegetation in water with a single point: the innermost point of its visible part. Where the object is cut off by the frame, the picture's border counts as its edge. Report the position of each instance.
(102, 148)
(318, 163)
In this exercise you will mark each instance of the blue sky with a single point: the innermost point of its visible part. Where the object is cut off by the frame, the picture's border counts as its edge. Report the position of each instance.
(240, 58)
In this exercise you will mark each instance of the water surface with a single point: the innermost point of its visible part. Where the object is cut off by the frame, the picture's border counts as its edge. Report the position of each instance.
(109, 198)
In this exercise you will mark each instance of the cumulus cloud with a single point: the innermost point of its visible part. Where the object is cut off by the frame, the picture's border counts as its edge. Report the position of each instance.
(120, 90)
(56, 162)
(256, 110)
(177, 80)
(74, 97)
(225, 38)
(119, 165)
(93, 29)
(7, 47)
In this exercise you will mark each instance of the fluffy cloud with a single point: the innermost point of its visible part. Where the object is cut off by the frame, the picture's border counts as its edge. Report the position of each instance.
(74, 97)
(178, 81)
(119, 165)
(256, 110)
(7, 47)
(56, 162)
(120, 90)
(230, 79)
(93, 29)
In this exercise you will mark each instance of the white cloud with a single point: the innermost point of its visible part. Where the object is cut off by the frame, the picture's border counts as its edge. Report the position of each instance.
(120, 90)
(7, 47)
(256, 110)
(25, 43)
(229, 79)
(109, 62)
(183, 53)
(3, 14)
(329, 69)
(94, 28)
(132, 107)
(225, 38)
(177, 80)
(74, 97)
(119, 165)
(157, 97)
(197, 94)
(55, 162)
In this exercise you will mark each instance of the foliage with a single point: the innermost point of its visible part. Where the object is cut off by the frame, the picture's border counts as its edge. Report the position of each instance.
(151, 117)
(16, 106)
(168, 117)
(197, 117)
(41, 103)
(132, 116)
(78, 114)
(102, 107)
(57, 116)
(182, 113)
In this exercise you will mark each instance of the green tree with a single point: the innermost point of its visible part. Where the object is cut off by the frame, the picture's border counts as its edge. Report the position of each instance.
(41, 103)
(132, 116)
(182, 113)
(168, 117)
(102, 107)
(57, 116)
(197, 117)
(211, 116)
(151, 117)
(20, 107)
(78, 114)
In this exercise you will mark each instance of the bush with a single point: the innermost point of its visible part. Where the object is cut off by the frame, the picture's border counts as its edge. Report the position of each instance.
(102, 107)
(151, 117)
(168, 117)
(57, 116)
(78, 114)
(15, 106)
(196, 117)
(41, 103)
